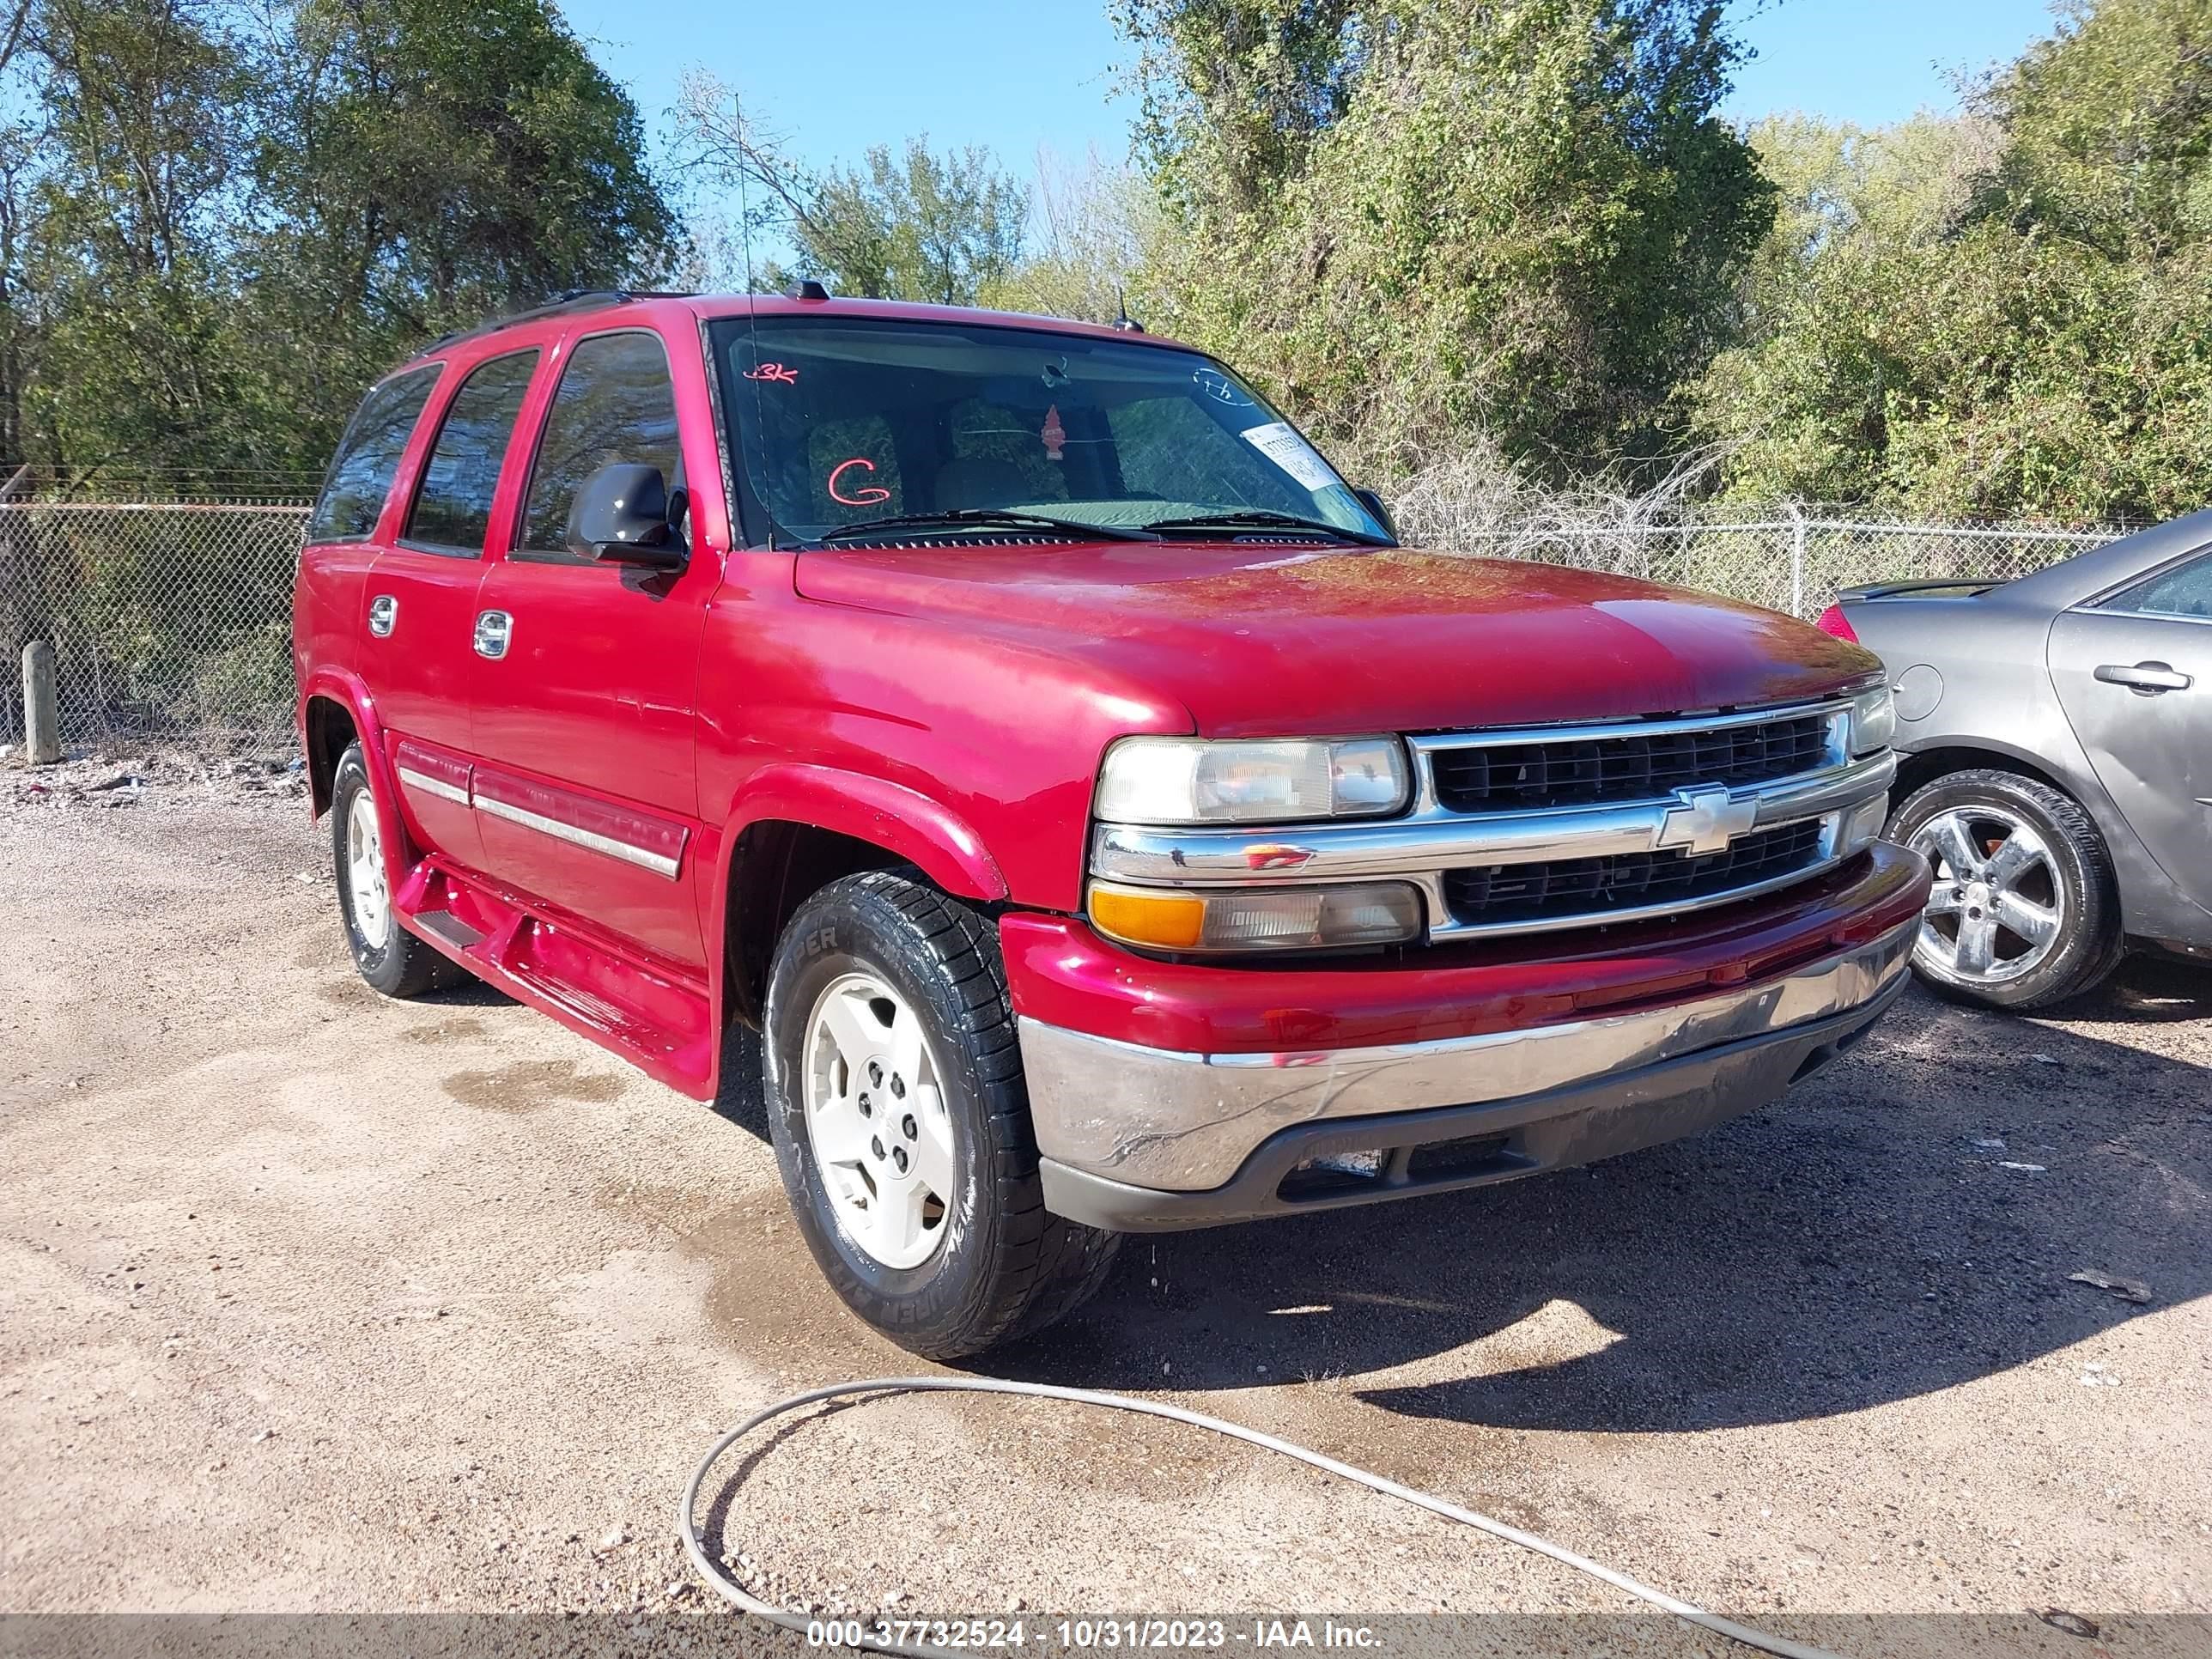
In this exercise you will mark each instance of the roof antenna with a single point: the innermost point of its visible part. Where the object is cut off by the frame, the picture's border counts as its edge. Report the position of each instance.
(1123, 321)
(753, 305)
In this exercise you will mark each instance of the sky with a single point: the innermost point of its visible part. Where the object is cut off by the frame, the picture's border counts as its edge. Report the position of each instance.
(1873, 61)
(837, 76)
(834, 76)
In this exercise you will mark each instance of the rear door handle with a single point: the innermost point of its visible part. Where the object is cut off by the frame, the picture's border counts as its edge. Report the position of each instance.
(495, 628)
(2145, 679)
(383, 616)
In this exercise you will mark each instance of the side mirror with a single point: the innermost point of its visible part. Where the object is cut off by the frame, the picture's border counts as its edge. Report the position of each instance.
(1373, 503)
(620, 517)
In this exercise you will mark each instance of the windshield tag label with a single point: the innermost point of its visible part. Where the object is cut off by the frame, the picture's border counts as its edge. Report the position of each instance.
(1279, 442)
(864, 495)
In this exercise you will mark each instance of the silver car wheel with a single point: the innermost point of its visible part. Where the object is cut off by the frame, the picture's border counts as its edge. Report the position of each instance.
(876, 1121)
(365, 883)
(1999, 907)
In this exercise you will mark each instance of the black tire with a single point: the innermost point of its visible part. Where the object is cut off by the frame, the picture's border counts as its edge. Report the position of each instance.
(1009, 1266)
(2089, 944)
(400, 965)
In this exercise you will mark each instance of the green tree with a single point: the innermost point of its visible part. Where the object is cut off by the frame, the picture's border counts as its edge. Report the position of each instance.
(132, 179)
(1526, 221)
(915, 225)
(1236, 91)
(1803, 399)
(2009, 314)
(220, 224)
(423, 165)
(1092, 230)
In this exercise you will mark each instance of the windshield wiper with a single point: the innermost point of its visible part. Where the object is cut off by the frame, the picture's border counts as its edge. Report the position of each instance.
(1005, 518)
(1263, 519)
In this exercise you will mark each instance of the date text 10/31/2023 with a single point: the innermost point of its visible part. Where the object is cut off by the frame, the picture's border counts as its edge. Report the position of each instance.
(1086, 1635)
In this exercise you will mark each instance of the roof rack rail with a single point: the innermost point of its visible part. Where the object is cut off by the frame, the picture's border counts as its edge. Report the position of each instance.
(575, 299)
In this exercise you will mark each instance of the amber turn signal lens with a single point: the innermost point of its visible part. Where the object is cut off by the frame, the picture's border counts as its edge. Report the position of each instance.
(1329, 916)
(1167, 921)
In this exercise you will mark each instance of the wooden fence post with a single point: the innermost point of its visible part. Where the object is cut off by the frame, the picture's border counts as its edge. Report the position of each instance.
(42, 726)
(40, 711)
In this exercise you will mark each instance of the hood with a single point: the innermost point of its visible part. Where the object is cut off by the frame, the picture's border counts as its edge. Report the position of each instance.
(1257, 640)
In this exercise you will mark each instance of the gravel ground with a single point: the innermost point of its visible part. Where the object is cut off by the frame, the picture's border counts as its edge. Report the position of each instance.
(318, 1302)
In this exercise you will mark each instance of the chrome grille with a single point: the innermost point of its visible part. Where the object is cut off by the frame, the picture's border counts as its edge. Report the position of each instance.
(1535, 829)
(1571, 771)
(1587, 889)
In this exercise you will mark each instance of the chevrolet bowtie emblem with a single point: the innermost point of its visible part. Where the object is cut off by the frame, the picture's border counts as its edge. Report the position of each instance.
(1706, 821)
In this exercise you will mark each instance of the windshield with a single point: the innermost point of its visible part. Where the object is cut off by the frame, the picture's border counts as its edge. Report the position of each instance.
(846, 420)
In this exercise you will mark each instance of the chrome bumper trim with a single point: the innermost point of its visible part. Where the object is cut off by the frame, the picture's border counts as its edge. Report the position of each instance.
(1185, 1122)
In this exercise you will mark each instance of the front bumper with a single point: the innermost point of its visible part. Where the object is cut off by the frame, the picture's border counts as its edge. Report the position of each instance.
(1143, 1138)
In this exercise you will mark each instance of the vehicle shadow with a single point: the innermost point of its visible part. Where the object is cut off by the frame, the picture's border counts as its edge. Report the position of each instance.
(1906, 1222)
(738, 1097)
(2147, 990)
(469, 992)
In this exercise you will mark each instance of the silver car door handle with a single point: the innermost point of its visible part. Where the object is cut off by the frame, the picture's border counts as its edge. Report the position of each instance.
(383, 616)
(495, 628)
(2145, 679)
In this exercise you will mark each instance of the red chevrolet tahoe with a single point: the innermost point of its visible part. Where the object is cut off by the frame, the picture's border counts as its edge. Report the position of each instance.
(1107, 824)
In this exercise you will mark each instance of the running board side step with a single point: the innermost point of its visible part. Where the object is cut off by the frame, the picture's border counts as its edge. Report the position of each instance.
(657, 1016)
(448, 929)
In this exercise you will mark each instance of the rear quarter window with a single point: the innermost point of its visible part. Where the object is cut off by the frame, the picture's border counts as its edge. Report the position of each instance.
(368, 456)
(2186, 592)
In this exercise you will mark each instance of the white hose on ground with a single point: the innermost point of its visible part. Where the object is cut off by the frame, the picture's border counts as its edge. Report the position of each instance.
(687, 1525)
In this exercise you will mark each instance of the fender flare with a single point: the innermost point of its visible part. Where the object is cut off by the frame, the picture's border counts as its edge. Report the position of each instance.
(2082, 784)
(349, 691)
(922, 830)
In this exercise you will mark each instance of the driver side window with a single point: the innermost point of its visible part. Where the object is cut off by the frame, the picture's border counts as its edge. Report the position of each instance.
(616, 403)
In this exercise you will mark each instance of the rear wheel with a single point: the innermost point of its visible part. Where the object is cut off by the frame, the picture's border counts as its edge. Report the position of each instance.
(901, 1123)
(391, 959)
(2025, 912)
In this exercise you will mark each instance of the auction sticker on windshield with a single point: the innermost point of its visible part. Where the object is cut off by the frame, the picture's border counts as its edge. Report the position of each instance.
(1280, 443)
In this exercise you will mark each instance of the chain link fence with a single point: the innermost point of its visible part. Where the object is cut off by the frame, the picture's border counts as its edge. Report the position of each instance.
(168, 619)
(171, 620)
(1785, 562)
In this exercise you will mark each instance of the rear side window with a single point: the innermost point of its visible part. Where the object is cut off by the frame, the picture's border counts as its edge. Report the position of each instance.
(361, 473)
(453, 506)
(2183, 592)
(616, 404)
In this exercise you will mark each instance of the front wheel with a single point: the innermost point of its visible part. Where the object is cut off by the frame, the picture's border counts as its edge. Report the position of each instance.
(901, 1124)
(2025, 912)
(391, 959)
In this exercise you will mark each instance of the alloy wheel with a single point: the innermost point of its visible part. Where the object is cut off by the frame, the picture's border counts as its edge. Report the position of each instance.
(876, 1121)
(365, 883)
(1999, 908)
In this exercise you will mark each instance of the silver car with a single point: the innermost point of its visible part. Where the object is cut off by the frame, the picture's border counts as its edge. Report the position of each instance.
(2057, 737)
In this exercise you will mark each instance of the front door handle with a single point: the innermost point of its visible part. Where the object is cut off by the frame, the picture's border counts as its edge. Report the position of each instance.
(2145, 679)
(495, 628)
(383, 616)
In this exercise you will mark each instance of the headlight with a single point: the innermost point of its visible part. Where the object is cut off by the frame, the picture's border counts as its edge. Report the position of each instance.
(1874, 721)
(1333, 916)
(1190, 780)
